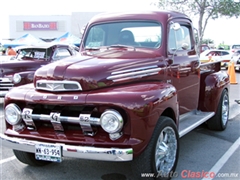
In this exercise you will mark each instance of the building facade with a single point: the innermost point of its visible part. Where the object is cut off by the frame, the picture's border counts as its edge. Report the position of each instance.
(49, 27)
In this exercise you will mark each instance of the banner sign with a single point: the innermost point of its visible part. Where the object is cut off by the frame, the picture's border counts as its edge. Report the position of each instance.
(40, 26)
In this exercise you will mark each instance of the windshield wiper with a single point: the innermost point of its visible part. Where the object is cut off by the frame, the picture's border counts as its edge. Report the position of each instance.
(120, 46)
(92, 48)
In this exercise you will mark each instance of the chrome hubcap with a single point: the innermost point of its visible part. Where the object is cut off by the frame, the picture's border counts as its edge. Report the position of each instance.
(225, 109)
(166, 150)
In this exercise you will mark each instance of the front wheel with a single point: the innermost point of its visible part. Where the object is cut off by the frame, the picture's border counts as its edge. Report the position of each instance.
(220, 120)
(161, 155)
(29, 158)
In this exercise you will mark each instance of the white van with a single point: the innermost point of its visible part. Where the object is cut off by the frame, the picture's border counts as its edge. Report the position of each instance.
(234, 47)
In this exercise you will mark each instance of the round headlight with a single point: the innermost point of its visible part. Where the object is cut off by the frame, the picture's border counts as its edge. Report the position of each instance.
(16, 78)
(12, 114)
(111, 121)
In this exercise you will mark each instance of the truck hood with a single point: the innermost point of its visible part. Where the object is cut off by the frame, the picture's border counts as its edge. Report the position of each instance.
(15, 66)
(95, 69)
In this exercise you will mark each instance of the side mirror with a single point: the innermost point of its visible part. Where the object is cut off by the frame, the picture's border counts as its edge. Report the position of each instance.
(185, 46)
(175, 26)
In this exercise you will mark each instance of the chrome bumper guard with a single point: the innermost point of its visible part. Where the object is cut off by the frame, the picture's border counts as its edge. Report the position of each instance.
(82, 152)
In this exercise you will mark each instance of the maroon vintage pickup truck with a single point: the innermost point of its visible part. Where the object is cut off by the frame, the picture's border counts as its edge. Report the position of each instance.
(135, 89)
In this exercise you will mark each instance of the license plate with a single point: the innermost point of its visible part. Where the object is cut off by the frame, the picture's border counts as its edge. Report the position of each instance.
(48, 152)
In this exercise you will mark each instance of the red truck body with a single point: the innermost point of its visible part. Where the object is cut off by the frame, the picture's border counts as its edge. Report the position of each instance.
(120, 102)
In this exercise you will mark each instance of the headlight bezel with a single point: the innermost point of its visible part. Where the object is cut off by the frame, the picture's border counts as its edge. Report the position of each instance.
(111, 114)
(16, 78)
(15, 109)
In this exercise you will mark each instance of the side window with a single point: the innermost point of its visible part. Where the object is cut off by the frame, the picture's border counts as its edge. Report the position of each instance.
(179, 36)
(172, 40)
(224, 53)
(60, 54)
(213, 53)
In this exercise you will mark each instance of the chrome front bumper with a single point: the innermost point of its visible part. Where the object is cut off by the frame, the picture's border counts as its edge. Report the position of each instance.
(83, 152)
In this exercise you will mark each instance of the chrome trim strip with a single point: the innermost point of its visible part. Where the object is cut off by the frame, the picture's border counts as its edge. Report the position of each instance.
(84, 120)
(5, 85)
(134, 69)
(92, 120)
(76, 120)
(2, 79)
(82, 152)
(133, 73)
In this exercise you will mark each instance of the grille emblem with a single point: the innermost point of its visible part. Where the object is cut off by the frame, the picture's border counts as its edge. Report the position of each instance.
(55, 120)
(55, 117)
(53, 86)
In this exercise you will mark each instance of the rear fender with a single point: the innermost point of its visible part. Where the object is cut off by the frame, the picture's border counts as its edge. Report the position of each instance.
(211, 89)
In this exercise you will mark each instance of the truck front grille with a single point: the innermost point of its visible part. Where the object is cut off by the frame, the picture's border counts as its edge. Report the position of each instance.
(5, 84)
(61, 118)
(58, 86)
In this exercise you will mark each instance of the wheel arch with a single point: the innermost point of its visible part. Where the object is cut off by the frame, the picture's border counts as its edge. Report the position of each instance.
(169, 112)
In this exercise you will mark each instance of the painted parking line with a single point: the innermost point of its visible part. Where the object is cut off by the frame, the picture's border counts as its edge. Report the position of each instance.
(7, 160)
(224, 158)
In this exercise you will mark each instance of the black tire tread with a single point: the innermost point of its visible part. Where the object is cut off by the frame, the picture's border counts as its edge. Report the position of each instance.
(215, 123)
(29, 158)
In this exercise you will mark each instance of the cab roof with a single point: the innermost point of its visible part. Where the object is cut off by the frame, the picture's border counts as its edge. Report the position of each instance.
(138, 15)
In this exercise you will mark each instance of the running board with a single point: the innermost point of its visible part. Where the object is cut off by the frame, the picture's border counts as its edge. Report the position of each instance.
(191, 120)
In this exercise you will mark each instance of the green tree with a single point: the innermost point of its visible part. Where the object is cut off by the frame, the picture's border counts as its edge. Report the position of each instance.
(207, 41)
(203, 10)
(223, 45)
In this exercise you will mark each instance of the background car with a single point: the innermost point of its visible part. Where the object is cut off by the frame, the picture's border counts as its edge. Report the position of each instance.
(6, 58)
(204, 47)
(236, 59)
(234, 48)
(216, 55)
(29, 58)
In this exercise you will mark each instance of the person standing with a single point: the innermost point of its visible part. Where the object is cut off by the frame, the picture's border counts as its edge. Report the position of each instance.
(11, 51)
(3, 52)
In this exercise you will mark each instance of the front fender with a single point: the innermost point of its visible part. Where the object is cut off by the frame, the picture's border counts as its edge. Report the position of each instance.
(143, 103)
(26, 78)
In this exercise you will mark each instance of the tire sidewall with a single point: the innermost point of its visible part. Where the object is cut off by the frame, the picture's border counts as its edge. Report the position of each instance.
(220, 110)
(163, 122)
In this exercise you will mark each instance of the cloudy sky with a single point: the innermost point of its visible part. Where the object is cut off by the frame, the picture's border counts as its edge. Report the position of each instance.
(221, 30)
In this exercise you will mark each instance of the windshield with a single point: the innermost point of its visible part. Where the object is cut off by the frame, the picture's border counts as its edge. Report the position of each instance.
(34, 53)
(134, 33)
(236, 46)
